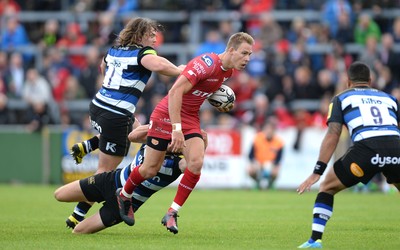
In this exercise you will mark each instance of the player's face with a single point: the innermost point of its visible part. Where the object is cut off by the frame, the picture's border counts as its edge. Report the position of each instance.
(150, 38)
(241, 56)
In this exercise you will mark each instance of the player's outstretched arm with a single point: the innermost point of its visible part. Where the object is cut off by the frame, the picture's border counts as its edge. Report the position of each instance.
(160, 65)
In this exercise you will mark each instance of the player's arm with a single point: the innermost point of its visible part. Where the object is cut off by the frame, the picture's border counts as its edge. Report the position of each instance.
(139, 134)
(330, 142)
(160, 65)
(175, 96)
(103, 66)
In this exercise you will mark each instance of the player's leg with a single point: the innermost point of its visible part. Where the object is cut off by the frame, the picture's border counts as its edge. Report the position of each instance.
(80, 149)
(323, 206)
(70, 192)
(151, 165)
(92, 224)
(194, 156)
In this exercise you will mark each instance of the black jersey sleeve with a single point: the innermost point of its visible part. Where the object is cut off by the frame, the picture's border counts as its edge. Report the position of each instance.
(335, 113)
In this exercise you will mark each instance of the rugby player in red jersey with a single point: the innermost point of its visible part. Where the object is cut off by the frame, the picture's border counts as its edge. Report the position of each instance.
(176, 121)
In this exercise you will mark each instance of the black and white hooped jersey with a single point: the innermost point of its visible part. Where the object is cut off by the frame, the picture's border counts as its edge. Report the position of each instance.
(124, 80)
(167, 174)
(366, 112)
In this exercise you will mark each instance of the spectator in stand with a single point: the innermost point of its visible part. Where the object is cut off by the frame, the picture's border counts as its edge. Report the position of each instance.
(338, 60)
(212, 43)
(106, 32)
(304, 86)
(74, 39)
(265, 155)
(90, 74)
(257, 67)
(244, 86)
(320, 116)
(370, 55)
(331, 12)
(297, 29)
(37, 93)
(270, 31)
(326, 83)
(56, 70)
(366, 27)
(14, 36)
(345, 31)
(73, 90)
(120, 7)
(253, 8)
(396, 30)
(261, 110)
(15, 75)
(384, 79)
(389, 57)
(51, 33)
(9, 7)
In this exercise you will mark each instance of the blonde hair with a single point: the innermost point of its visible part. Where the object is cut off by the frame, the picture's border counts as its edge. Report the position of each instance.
(238, 38)
(135, 29)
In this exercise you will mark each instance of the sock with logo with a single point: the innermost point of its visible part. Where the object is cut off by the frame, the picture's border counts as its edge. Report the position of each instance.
(322, 212)
(185, 187)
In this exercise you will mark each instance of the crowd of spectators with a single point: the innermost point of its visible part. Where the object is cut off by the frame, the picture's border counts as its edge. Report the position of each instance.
(283, 79)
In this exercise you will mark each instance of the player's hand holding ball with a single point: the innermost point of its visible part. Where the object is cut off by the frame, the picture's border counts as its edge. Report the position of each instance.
(223, 99)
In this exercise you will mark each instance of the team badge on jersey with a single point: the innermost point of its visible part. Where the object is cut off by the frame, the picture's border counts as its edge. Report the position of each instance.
(207, 59)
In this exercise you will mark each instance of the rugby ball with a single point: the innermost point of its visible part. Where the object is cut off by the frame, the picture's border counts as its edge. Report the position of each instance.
(222, 97)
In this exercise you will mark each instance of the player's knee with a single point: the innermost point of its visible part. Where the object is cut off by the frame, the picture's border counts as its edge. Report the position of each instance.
(195, 165)
(58, 194)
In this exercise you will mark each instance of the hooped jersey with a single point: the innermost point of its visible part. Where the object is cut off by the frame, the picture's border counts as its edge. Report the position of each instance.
(366, 112)
(206, 74)
(125, 79)
(167, 174)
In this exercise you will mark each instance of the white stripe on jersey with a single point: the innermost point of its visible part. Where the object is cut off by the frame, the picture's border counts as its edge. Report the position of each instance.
(118, 103)
(320, 210)
(357, 100)
(105, 107)
(113, 77)
(374, 133)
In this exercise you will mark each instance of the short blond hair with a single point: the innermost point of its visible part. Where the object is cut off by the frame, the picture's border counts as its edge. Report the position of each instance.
(238, 38)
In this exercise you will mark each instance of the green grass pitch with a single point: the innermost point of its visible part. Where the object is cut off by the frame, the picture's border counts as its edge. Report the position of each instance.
(30, 218)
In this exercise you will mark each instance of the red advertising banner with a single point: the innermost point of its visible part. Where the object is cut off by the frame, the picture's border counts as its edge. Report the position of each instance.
(223, 142)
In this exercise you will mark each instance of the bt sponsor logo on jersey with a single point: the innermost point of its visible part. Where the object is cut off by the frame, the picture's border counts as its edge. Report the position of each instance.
(383, 160)
(201, 93)
(370, 100)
